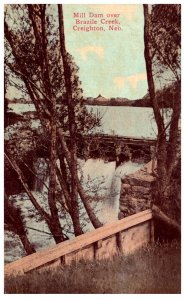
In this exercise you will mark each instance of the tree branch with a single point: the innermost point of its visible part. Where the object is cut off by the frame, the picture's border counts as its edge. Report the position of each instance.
(159, 214)
(15, 167)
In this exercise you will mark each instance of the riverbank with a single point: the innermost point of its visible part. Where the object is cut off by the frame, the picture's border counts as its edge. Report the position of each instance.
(152, 270)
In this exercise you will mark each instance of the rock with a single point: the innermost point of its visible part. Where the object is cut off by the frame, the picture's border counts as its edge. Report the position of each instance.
(141, 189)
(123, 208)
(141, 192)
(125, 199)
(121, 215)
(136, 191)
(125, 189)
(141, 180)
(126, 186)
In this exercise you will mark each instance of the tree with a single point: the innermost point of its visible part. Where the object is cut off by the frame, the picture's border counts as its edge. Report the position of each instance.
(46, 74)
(163, 54)
(15, 223)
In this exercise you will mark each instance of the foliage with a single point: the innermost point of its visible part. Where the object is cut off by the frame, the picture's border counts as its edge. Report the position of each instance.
(162, 56)
(166, 42)
(29, 55)
(166, 95)
(35, 65)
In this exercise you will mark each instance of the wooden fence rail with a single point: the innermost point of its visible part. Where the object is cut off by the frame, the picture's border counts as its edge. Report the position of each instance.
(124, 236)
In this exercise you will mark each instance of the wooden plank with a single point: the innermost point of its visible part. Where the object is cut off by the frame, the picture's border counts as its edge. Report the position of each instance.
(135, 237)
(98, 244)
(56, 251)
(51, 253)
(84, 254)
(43, 257)
(108, 248)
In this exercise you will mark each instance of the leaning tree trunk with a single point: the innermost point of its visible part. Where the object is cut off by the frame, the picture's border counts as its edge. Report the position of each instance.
(84, 197)
(54, 227)
(15, 223)
(161, 216)
(72, 130)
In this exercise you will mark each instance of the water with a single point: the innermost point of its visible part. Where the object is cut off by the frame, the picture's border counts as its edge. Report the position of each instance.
(126, 121)
(123, 121)
(103, 181)
(21, 108)
(100, 180)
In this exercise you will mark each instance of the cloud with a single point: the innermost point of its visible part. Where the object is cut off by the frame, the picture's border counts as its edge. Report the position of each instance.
(84, 51)
(133, 80)
(119, 81)
(126, 10)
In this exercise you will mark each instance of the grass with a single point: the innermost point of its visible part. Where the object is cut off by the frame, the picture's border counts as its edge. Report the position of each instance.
(151, 270)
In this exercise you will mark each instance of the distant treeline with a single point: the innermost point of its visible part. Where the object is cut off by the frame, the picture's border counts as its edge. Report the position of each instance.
(166, 99)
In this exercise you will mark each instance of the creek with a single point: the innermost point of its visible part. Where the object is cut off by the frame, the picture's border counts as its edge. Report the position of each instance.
(100, 179)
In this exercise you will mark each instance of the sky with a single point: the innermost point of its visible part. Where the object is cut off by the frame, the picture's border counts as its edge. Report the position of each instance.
(111, 62)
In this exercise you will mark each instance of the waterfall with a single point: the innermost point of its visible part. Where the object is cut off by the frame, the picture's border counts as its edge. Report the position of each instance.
(97, 176)
(102, 180)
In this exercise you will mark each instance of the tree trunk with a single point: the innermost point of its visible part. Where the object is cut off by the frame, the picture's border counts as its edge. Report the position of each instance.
(39, 25)
(64, 188)
(161, 138)
(29, 248)
(174, 136)
(44, 113)
(167, 155)
(54, 225)
(64, 170)
(34, 201)
(15, 223)
(160, 215)
(72, 127)
(51, 220)
(84, 197)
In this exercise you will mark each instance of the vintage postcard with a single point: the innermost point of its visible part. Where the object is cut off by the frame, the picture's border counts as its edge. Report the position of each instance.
(92, 105)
